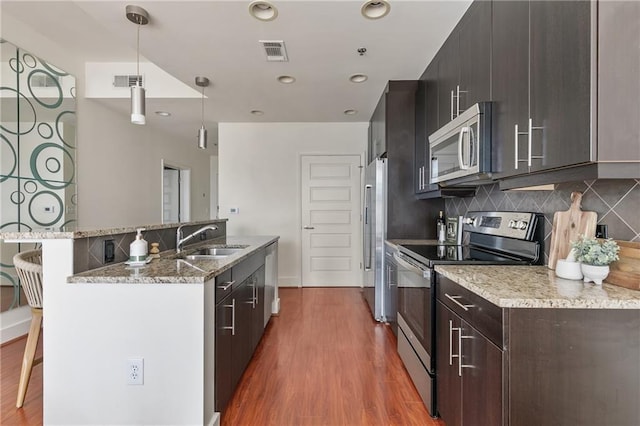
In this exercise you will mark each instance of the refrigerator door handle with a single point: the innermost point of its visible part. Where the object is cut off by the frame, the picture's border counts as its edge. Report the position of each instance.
(366, 249)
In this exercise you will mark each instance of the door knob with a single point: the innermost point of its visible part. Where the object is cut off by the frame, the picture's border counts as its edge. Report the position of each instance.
(308, 227)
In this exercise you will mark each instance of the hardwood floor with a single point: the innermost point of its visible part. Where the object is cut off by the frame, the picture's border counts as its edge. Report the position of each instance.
(10, 362)
(325, 361)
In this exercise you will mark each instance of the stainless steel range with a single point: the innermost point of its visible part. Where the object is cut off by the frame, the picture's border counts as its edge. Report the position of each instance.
(512, 238)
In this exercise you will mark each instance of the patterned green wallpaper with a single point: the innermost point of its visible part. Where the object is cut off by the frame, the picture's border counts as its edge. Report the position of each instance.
(37, 154)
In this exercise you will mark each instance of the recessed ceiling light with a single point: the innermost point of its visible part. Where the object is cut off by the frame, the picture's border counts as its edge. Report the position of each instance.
(163, 113)
(263, 10)
(350, 111)
(358, 78)
(286, 79)
(257, 112)
(375, 9)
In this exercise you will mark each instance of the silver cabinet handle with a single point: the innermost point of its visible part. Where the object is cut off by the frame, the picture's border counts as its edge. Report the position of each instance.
(226, 287)
(454, 300)
(233, 317)
(452, 96)
(451, 330)
(530, 142)
(460, 364)
(458, 91)
(515, 146)
(308, 227)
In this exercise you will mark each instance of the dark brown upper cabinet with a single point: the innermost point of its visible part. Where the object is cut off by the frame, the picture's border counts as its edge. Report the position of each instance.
(464, 63)
(541, 85)
(565, 89)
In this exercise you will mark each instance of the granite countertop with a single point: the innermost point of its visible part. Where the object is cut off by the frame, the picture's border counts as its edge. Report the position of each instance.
(50, 234)
(169, 268)
(537, 287)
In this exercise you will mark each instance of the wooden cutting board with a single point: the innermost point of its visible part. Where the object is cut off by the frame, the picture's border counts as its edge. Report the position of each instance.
(626, 271)
(568, 226)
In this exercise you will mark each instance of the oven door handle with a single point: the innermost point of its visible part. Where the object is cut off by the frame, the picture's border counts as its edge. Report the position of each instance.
(425, 273)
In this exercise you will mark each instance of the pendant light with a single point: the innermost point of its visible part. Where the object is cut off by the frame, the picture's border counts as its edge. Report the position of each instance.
(202, 132)
(140, 17)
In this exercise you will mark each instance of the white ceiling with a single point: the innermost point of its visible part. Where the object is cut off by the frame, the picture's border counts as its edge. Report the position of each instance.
(219, 40)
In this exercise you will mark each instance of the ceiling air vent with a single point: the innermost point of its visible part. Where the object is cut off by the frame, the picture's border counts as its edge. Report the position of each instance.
(275, 50)
(126, 80)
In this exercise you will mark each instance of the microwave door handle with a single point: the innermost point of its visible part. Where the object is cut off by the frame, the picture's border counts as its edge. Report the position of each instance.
(472, 148)
(463, 130)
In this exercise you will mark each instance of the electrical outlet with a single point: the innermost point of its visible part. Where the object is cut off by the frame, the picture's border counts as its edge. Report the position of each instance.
(135, 371)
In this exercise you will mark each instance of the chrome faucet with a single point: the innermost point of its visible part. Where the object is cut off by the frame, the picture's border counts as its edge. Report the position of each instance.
(180, 241)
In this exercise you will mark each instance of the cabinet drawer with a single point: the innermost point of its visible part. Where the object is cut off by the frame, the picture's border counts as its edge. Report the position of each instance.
(481, 314)
(224, 285)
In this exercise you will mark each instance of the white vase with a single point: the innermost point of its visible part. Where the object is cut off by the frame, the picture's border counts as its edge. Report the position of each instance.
(594, 273)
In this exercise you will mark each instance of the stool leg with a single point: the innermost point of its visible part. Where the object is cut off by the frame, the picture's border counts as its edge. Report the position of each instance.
(29, 354)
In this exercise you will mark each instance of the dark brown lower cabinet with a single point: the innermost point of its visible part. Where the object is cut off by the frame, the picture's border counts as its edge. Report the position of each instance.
(239, 319)
(469, 373)
(535, 366)
(223, 356)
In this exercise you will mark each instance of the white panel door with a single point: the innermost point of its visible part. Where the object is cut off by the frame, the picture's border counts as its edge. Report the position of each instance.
(170, 195)
(330, 220)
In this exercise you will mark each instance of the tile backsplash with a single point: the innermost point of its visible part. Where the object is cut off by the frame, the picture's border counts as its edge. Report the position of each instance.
(89, 252)
(616, 201)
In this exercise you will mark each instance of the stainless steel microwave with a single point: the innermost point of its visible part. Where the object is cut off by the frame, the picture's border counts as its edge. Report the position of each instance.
(461, 149)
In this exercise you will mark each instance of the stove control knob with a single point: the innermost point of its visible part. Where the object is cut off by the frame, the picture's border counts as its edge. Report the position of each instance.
(473, 221)
(522, 224)
(512, 224)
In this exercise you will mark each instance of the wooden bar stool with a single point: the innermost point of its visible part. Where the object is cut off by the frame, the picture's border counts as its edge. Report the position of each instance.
(28, 265)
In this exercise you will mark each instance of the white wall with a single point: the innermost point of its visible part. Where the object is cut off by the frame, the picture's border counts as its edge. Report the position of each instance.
(119, 168)
(259, 173)
(118, 163)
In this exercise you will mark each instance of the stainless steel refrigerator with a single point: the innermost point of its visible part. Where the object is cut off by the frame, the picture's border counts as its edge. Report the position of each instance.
(374, 233)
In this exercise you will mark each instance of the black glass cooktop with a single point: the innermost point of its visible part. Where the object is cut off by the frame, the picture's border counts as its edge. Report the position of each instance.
(444, 254)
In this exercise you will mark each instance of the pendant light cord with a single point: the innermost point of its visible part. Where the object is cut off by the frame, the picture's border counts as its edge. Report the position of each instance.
(202, 106)
(138, 82)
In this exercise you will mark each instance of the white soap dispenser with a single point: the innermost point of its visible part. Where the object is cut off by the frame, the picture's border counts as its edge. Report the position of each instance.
(138, 249)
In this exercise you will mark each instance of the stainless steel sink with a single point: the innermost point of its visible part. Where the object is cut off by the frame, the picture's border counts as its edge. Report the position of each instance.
(217, 251)
(213, 253)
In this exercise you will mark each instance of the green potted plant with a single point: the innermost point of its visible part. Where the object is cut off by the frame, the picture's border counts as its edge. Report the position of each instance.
(594, 257)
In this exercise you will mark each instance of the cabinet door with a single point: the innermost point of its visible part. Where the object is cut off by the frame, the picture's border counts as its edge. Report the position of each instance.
(510, 84)
(426, 124)
(481, 375)
(378, 127)
(258, 307)
(449, 383)
(618, 82)
(475, 55)
(448, 78)
(223, 353)
(241, 347)
(560, 82)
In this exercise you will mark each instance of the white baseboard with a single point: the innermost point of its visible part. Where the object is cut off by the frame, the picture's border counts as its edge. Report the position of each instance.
(289, 282)
(14, 323)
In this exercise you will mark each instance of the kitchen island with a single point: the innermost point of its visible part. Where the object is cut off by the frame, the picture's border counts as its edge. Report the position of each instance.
(538, 348)
(97, 321)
